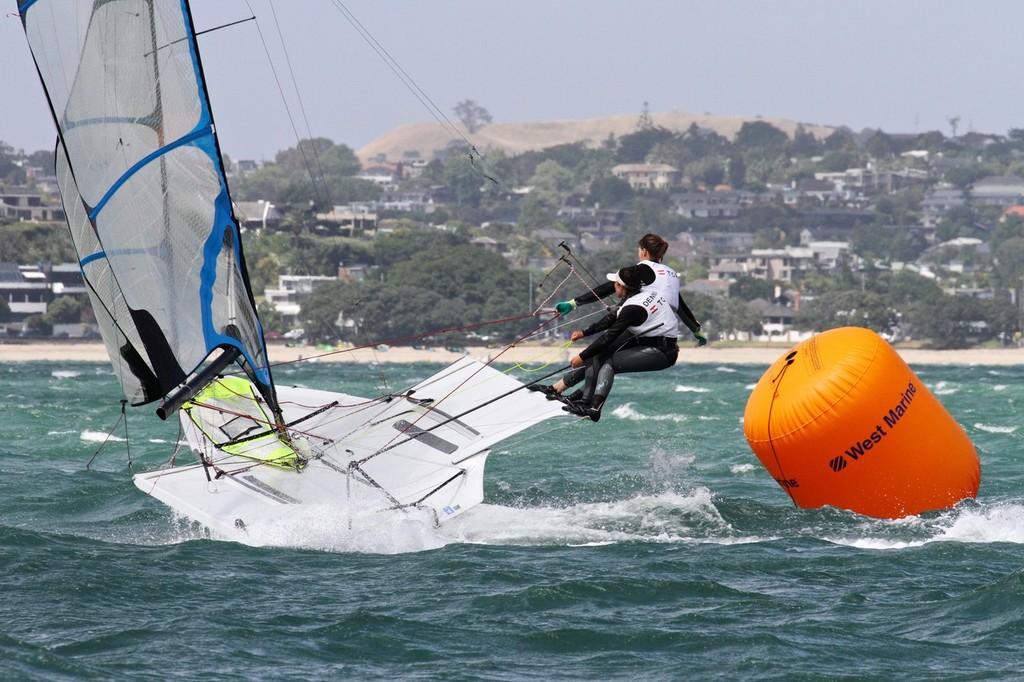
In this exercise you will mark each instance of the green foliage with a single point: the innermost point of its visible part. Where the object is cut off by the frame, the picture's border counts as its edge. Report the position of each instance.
(635, 147)
(1009, 263)
(747, 288)
(315, 172)
(64, 310)
(849, 308)
(37, 243)
(472, 115)
(440, 287)
(465, 180)
(731, 316)
(762, 136)
(804, 144)
(609, 192)
(551, 184)
(403, 245)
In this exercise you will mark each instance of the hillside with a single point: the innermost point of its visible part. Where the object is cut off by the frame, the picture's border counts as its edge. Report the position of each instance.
(516, 138)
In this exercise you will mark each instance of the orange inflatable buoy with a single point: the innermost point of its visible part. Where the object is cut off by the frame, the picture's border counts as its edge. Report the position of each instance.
(841, 420)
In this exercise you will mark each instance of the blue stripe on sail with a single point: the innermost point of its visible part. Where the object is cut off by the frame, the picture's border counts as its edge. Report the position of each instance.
(145, 161)
(223, 220)
(147, 121)
(92, 257)
(119, 252)
(25, 5)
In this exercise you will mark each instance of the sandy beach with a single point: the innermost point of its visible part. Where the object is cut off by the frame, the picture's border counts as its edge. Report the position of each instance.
(526, 354)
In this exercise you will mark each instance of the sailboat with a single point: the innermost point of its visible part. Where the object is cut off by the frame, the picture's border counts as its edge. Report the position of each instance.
(147, 203)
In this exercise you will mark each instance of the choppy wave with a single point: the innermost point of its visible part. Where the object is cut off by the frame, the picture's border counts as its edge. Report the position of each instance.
(615, 549)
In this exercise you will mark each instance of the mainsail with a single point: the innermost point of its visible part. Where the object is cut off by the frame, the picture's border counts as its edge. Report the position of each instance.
(147, 202)
(144, 188)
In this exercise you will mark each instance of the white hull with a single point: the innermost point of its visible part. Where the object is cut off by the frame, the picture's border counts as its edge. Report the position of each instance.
(422, 453)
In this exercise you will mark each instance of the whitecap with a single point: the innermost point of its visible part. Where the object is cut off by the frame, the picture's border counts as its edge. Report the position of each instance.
(629, 413)
(742, 468)
(988, 428)
(65, 374)
(998, 523)
(692, 389)
(98, 437)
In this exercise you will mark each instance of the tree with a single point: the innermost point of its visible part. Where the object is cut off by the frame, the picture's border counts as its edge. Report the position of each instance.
(761, 135)
(473, 116)
(850, 308)
(747, 288)
(731, 316)
(635, 147)
(551, 184)
(64, 310)
(804, 144)
(609, 191)
(737, 171)
(1009, 262)
(464, 180)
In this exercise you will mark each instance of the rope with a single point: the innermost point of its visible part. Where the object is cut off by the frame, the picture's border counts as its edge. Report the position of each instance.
(778, 378)
(413, 337)
(128, 446)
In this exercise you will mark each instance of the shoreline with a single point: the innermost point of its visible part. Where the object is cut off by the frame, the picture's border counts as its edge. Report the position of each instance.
(524, 353)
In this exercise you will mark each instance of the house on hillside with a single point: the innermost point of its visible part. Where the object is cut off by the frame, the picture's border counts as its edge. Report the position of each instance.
(29, 205)
(258, 215)
(29, 289)
(648, 175)
(996, 190)
(717, 204)
(289, 294)
(940, 201)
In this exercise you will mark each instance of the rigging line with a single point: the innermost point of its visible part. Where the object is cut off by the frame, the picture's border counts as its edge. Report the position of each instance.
(456, 417)
(554, 291)
(778, 378)
(397, 69)
(302, 108)
(579, 262)
(416, 90)
(416, 503)
(288, 110)
(562, 259)
(124, 416)
(399, 340)
(490, 361)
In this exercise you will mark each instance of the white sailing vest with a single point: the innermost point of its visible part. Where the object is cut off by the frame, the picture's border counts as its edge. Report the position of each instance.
(661, 319)
(666, 282)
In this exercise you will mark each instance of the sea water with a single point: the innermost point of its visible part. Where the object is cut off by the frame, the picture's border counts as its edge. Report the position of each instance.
(650, 545)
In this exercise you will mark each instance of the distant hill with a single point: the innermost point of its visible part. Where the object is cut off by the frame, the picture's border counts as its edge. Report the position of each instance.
(515, 138)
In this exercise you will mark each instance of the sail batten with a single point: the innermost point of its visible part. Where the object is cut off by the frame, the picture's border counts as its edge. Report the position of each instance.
(140, 169)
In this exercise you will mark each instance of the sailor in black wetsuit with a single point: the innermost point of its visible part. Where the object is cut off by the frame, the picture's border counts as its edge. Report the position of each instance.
(650, 251)
(640, 336)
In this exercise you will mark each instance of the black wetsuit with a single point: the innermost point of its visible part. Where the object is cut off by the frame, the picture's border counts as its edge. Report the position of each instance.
(603, 290)
(619, 351)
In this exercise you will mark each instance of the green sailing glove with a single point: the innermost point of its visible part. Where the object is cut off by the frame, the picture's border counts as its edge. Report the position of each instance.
(702, 338)
(565, 307)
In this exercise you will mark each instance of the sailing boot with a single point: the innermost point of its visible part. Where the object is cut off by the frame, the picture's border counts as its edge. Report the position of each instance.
(586, 408)
(549, 391)
(594, 409)
(577, 407)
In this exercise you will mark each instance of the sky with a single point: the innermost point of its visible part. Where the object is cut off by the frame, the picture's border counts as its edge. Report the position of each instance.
(904, 67)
